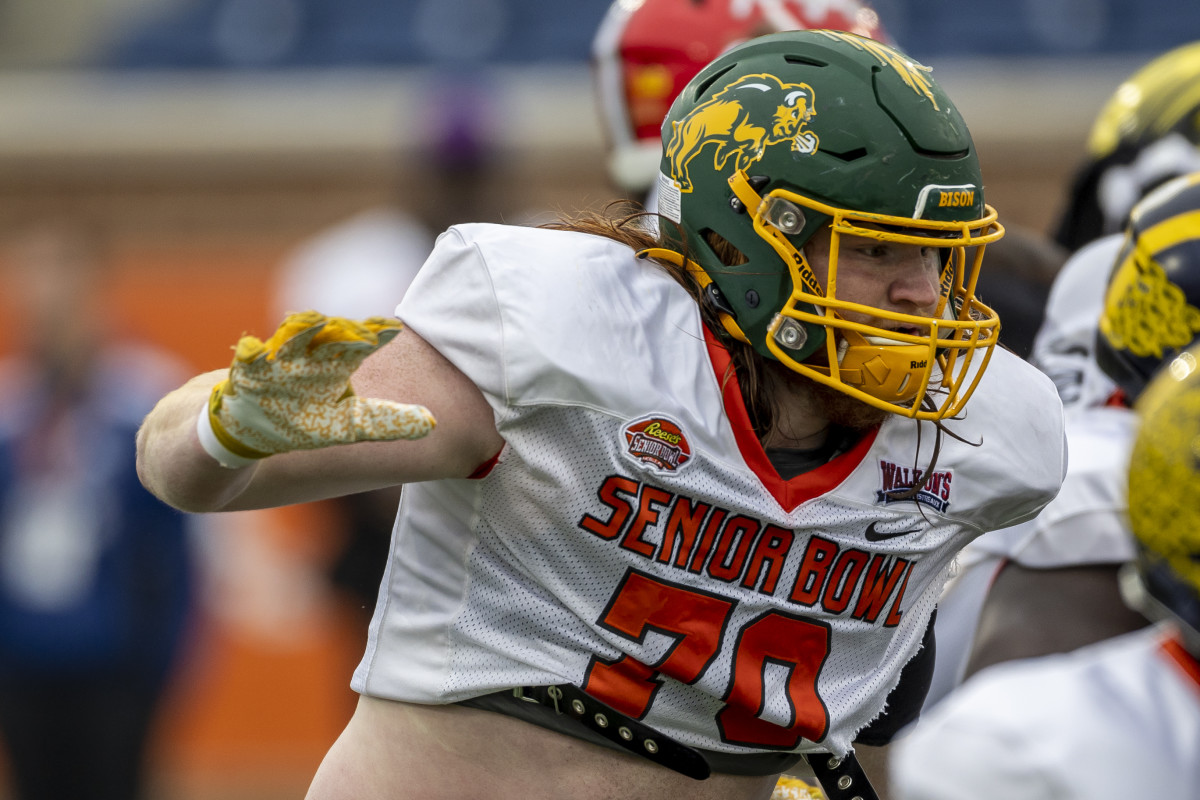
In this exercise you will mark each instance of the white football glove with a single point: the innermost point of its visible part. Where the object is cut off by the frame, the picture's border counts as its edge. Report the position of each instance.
(293, 392)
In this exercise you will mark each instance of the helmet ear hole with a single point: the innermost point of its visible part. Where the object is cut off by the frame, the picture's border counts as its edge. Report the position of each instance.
(702, 83)
(724, 250)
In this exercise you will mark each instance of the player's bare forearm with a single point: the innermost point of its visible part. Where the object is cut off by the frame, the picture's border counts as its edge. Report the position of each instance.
(175, 467)
(1014, 624)
(170, 461)
(178, 468)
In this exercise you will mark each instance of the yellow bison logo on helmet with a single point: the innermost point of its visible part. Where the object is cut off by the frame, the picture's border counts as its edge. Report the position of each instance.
(726, 122)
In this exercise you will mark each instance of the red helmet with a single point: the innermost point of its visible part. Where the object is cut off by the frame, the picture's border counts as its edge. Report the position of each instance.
(646, 51)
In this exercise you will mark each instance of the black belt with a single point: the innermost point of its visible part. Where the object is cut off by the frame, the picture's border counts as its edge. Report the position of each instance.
(621, 730)
(841, 778)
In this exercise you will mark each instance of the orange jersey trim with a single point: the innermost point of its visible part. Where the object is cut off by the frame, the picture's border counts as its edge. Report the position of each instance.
(486, 467)
(1186, 662)
(800, 489)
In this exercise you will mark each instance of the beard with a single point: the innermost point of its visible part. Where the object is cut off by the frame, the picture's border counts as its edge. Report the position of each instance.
(842, 409)
(823, 401)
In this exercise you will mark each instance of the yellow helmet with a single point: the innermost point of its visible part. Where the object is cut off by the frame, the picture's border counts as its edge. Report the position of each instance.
(1164, 484)
(1147, 132)
(1150, 312)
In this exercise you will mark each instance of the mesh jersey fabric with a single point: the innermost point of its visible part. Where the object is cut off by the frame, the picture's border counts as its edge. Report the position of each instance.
(690, 587)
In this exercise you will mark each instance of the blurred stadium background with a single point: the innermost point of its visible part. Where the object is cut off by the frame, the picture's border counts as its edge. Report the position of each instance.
(207, 138)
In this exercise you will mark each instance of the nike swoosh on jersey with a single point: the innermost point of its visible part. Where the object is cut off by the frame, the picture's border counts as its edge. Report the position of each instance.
(875, 536)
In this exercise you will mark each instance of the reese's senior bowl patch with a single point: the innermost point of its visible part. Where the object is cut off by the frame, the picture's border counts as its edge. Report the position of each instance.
(657, 442)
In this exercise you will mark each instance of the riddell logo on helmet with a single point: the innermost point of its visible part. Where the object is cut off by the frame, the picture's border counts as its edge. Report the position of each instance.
(658, 442)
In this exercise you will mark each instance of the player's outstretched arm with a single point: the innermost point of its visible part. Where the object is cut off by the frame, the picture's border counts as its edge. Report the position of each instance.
(284, 423)
(170, 461)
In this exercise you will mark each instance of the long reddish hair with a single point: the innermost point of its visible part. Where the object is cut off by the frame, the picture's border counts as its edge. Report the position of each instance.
(626, 223)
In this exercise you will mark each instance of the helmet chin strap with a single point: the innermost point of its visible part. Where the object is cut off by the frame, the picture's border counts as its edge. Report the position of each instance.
(703, 278)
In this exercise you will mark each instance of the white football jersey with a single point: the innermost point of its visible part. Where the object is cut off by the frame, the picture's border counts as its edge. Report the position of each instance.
(1064, 347)
(1110, 721)
(633, 539)
(1087, 522)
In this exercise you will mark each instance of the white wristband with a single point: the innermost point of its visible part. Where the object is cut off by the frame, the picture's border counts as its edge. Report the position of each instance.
(212, 445)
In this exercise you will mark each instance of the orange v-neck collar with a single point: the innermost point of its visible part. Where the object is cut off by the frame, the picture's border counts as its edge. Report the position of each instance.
(803, 487)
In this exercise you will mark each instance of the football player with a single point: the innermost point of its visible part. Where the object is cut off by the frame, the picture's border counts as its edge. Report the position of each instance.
(1068, 556)
(692, 493)
(1146, 134)
(644, 53)
(1124, 712)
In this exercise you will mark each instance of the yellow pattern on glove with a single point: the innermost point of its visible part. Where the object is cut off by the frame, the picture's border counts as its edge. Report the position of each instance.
(790, 788)
(293, 392)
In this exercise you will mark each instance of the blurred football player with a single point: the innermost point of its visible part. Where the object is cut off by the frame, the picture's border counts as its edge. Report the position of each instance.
(1125, 712)
(692, 493)
(1147, 133)
(992, 609)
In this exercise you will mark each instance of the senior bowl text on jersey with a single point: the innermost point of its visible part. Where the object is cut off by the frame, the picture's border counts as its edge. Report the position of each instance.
(702, 538)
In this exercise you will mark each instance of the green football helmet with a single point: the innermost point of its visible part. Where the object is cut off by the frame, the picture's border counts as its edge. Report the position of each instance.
(794, 131)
